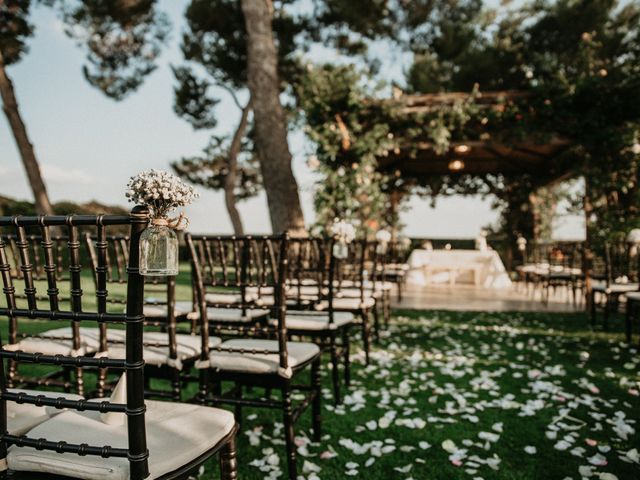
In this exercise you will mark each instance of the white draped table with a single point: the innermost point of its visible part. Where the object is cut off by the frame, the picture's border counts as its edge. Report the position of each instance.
(481, 268)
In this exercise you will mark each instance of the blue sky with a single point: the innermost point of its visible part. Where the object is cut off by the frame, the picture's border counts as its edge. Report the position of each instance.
(89, 145)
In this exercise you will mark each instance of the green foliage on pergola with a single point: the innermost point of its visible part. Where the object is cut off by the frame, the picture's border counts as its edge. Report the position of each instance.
(563, 101)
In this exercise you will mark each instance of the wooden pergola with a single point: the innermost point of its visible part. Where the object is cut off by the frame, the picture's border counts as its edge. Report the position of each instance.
(421, 160)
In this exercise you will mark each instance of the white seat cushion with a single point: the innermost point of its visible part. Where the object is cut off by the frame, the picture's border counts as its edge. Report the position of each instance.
(228, 298)
(188, 347)
(260, 362)
(633, 296)
(182, 308)
(600, 286)
(316, 321)
(356, 293)
(58, 342)
(22, 417)
(348, 304)
(222, 315)
(177, 434)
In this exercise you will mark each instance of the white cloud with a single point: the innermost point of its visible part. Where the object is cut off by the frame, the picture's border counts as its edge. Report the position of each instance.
(56, 174)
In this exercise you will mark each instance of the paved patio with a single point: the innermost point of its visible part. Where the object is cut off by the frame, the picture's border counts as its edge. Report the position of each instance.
(472, 298)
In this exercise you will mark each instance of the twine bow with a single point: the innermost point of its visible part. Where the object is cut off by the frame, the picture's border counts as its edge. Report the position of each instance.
(178, 223)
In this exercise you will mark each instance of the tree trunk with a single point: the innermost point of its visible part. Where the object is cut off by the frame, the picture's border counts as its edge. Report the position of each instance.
(232, 165)
(270, 122)
(10, 107)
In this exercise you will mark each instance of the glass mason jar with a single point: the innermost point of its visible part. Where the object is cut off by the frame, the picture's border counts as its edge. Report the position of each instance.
(340, 250)
(159, 250)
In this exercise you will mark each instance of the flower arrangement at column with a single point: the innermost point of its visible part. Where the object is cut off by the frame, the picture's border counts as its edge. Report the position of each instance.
(383, 237)
(161, 192)
(343, 233)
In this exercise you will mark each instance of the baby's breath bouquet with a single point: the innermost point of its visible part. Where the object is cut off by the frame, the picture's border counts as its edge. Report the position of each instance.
(161, 192)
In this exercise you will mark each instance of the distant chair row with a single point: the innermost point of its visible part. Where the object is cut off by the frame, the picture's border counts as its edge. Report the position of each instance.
(612, 268)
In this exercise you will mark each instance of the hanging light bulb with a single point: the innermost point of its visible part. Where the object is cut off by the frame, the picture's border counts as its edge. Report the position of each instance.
(462, 149)
(456, 165)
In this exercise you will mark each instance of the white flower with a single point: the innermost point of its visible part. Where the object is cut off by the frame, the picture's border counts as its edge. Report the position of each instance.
(160, 191)
(383, 236)
(343, 231)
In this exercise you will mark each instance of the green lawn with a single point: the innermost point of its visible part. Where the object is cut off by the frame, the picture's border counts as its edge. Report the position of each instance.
(461, 395)
(441, 378)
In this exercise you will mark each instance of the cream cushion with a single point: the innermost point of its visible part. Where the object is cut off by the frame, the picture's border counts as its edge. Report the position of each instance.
(260, 362)
(228, 298)
(316, 321)
(188, 347)
(181, 308)
(347, 304)
(177, 434)
(58, 342)
(600, 286)
(22, 417)
(235, 314)
(633, 296)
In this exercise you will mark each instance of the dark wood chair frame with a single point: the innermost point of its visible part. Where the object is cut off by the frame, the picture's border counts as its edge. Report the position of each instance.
(616, 261)
(351, 271)
(310, 260)
(263, 268)
(113, 251)
(133, 319)
(565, 260)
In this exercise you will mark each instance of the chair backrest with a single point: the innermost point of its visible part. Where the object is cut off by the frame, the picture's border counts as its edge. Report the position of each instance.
(357, 270)
(31, 245)
(238, 267)
(308, 271)
(160, 291)
(76, 311)
(621, 262)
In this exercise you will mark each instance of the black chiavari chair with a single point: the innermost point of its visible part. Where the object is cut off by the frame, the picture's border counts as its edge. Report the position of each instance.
(564, 270)
(31, 250)
(168, 352)
(395, 267)
(347, 289)
(615, 272)
(255, 351)
(90, 439)
(307, 285)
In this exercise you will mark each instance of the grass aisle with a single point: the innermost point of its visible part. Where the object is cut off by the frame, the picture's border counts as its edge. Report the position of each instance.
(471, 395)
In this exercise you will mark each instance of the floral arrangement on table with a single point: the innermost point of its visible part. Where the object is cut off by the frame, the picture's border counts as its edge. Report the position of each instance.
(344, 233)
(161, 192)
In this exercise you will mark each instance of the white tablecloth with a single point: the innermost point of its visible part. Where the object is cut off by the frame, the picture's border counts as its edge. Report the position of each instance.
(483, 268)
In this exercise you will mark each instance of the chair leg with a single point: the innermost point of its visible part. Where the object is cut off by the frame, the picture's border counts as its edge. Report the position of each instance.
(80, 381)
(376, 322)
(238, 407)
(366, 335)
(591, 297)
(316, 406)
(102, 377)
(607, 306)
(289, 432)
(335, 373)
(628, 320)
(228, 461)
(387, 309)
(346, 347)
(176, 387)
